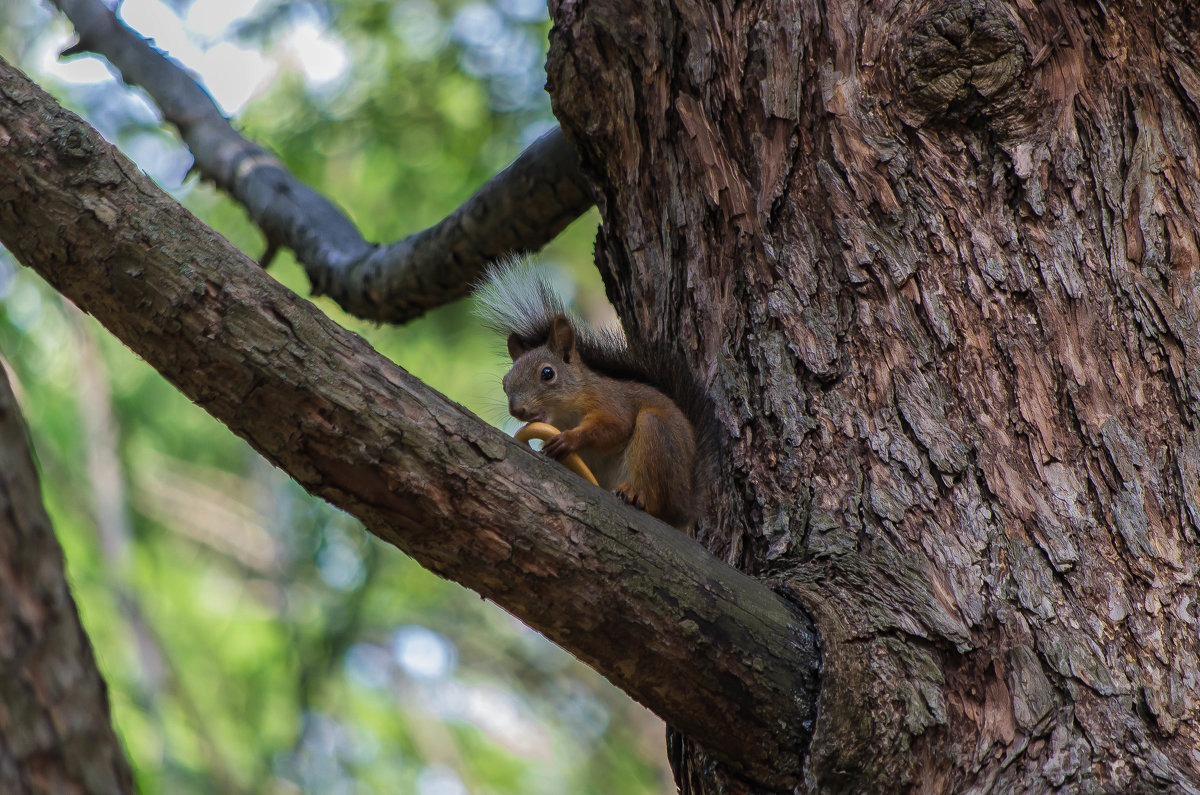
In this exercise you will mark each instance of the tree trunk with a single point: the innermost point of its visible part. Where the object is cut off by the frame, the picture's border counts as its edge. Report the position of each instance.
(938, 265)
(55, 732)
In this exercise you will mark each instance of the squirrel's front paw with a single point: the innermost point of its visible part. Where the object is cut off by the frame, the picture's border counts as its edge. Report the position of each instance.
(629, 494)
(558, 446)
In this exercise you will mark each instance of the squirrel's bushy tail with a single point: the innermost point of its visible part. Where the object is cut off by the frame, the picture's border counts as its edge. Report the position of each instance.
(514, 297)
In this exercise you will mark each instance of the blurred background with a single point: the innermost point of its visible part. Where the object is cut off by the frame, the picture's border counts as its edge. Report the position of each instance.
(255, 639)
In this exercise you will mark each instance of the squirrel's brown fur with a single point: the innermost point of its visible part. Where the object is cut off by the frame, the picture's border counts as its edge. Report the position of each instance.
(641, 426)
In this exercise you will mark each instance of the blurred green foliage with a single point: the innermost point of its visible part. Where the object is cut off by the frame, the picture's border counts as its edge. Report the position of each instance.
(255, 639)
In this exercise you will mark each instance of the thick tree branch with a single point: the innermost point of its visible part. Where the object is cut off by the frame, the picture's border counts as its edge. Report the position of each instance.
(55, 730)
(716, 654)
(520, 209)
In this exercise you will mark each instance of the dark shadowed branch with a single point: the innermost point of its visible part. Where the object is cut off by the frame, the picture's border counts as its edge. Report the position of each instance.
(713, 652)
(520, 209)
(54, 715)
(108, 503)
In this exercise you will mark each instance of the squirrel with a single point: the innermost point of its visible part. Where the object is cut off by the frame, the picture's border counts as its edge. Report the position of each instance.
(641, 425)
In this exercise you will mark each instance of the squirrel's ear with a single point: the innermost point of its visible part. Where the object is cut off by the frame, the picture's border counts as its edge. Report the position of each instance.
(562, 338)
(515, 347)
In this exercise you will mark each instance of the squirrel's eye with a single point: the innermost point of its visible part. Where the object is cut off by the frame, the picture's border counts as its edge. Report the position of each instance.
(547, 373)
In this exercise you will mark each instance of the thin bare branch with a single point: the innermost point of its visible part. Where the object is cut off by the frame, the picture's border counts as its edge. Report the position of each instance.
(716, 654)
(520, 209)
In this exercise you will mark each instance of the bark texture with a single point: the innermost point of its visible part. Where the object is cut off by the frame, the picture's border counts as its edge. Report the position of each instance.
(56, 735)
(938, 263)
(520, 209)
(706, 647)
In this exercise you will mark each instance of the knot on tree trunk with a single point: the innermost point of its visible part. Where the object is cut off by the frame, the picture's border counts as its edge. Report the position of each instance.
(963, 59)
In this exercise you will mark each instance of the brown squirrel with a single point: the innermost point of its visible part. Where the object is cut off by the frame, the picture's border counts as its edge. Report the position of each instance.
(610, 401)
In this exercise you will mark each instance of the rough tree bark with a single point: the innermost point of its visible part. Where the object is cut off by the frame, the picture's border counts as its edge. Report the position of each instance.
(939, 261)
(55, 731)
(633, 598)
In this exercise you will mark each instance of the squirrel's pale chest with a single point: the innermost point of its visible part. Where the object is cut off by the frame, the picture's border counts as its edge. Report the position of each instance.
(609, 469)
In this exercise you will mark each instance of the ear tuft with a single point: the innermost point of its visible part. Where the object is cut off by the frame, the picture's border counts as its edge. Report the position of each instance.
(562, 338)
(515, 346)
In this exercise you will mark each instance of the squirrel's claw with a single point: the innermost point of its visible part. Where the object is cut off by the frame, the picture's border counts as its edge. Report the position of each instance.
(556, 446)
(630, 495)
